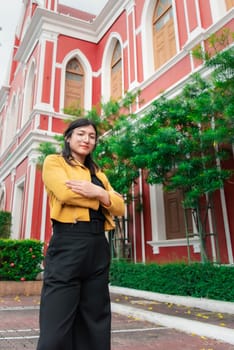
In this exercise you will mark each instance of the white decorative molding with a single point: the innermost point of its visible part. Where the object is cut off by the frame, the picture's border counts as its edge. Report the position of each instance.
(157, 213)
(106, 64)
(147, 38)
(159, 226)
(218, 9)
(175, 243)
(130, 6)
(46, 107)
(31, 178)
(87, 75)
(17, 203)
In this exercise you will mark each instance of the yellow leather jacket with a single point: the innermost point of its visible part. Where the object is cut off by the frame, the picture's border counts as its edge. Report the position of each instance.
(67, 206)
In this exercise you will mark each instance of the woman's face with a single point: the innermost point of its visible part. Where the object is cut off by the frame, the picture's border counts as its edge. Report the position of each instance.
(82, 142)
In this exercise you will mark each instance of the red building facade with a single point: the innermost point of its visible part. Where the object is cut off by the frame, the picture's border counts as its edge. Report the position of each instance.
(63, 56)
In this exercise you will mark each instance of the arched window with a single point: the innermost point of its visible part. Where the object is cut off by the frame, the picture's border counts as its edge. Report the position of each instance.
(163, 33)
(74, 85)
(116, 72)
(229, 4)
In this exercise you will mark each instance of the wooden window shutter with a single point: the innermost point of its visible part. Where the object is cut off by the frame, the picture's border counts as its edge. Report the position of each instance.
(164, 45)
(175, 216)
(116, 72)
(74, 85)
(229, 4)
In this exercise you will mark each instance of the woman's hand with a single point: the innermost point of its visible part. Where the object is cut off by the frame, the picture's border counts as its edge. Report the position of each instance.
(89, 190)
(83, 187)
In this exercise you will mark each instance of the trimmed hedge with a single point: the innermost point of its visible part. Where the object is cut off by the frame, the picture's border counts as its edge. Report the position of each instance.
(20, 260)
(196, 279)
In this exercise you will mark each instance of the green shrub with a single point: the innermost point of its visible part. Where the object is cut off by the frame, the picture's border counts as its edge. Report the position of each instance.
(5, 224)
(196, 280)
(20, 259)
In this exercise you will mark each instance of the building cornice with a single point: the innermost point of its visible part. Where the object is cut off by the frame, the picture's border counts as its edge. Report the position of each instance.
(25, 148)
(108, 16)
(60, 24)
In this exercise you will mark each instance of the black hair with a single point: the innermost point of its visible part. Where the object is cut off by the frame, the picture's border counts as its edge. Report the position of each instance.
(66, 152)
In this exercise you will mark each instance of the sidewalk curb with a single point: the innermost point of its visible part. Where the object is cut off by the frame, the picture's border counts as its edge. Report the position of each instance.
(195, 327)
(201, 303)
(188, 326)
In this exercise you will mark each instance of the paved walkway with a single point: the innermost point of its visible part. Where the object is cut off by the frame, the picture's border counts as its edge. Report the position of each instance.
(140, 321)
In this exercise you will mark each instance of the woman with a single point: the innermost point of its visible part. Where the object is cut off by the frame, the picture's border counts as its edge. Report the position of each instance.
(75, 302)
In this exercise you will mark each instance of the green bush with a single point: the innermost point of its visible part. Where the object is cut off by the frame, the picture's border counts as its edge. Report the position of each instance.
(20, 260)
(5, 224)
(196, 279)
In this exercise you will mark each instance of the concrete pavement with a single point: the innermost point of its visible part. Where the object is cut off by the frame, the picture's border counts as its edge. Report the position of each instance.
(223, 331)
(140, 321)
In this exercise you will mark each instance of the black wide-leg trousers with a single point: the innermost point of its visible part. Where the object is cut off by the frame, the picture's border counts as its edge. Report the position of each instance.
(75, 303)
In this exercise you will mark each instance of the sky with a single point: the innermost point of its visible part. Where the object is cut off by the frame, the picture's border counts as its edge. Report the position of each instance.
(9, 14)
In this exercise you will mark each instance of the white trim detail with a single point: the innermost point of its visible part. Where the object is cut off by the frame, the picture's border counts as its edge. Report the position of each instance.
(218, 9)
(43, 215)
(106, 65)
(31, 174)
(159, 226)
(134, 225)
(87, 75)
(157, 213)
(17, 209)
(147, 39)
(175, 243)
(226, 227)
(142, 218)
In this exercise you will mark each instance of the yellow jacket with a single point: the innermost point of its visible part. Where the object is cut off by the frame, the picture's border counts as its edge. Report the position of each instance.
(68, 206)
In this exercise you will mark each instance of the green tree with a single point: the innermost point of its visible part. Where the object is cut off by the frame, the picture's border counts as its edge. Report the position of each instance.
(182, 142)
(179, 142)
